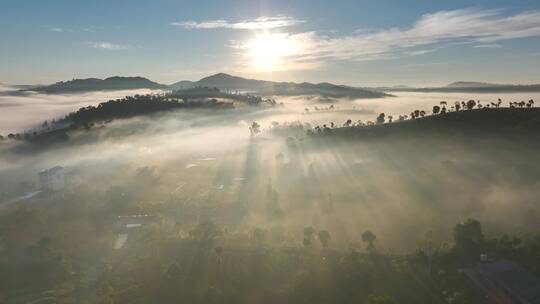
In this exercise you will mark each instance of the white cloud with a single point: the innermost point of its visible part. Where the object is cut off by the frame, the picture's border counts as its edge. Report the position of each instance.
(421, 52)
(92, 29)
(432, 31)
(438, 28)
(102, 45)
(253, 24)
(488, 46)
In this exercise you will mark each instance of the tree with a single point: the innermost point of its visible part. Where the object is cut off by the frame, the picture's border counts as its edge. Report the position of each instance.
(255, 128)
(324, 238)
(309, 232)
(468, 237)
(436, 109)
(369, 237)
(471, 104)
(380, 118)
(219, 251)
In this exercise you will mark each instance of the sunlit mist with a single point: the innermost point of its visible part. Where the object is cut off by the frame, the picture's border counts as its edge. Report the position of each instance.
(268, 51)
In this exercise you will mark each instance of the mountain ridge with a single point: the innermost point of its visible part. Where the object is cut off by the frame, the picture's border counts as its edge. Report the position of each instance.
(97, 84)
(220, 81)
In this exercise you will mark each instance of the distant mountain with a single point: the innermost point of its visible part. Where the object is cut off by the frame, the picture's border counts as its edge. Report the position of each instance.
(471, 84)
(469, 87)
(221, 81)
(228, 82)
(95, 84)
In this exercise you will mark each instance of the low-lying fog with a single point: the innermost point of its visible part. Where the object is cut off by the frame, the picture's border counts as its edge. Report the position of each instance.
(20, 111)
(24, 110)
(399, 189)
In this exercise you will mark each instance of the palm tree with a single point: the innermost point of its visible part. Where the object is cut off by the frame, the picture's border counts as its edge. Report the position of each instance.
(369, 237)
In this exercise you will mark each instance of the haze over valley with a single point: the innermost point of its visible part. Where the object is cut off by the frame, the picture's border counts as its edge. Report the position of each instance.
(272, 153)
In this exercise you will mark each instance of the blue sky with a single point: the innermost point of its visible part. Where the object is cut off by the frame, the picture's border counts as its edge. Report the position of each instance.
(350, 42)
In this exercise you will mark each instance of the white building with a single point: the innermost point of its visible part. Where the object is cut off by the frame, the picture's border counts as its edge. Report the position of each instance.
(52, 179)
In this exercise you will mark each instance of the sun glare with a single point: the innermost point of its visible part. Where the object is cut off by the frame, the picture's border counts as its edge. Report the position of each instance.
(268, 51)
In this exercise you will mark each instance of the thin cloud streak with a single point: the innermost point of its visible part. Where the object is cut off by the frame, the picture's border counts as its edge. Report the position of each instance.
(260, 23)
(488, 46)
(102, 45)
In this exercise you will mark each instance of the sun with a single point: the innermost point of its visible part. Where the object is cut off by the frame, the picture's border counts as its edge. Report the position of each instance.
(269, 51)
